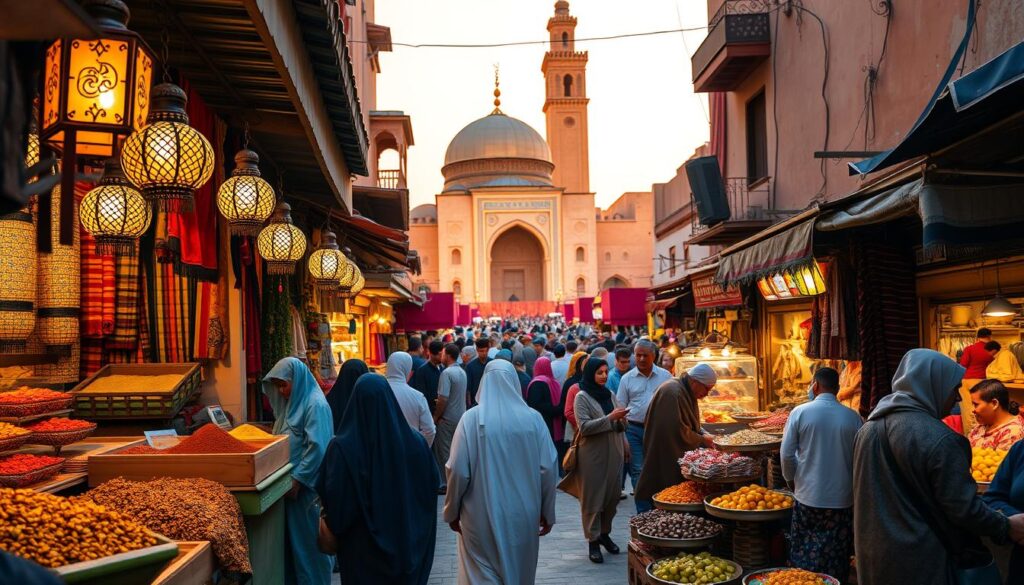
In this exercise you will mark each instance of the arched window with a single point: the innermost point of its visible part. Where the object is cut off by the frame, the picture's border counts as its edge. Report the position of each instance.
(581, 255)
(607, 256)
(456, 257)
(567, 83)
(457, 288)
(565, 40)
(625, 255)
(614, 282)
(581, 287)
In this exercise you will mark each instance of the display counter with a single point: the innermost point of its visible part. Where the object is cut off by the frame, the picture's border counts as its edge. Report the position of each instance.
(263, 511)
(737, 387)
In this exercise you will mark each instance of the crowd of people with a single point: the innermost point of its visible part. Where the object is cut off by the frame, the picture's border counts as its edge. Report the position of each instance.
(496, 418)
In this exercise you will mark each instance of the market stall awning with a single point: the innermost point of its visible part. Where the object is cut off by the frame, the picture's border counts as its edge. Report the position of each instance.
(662, 304)
(624, 306)
(976, 101)
(787, 245)
(439, 312)
(583, 308)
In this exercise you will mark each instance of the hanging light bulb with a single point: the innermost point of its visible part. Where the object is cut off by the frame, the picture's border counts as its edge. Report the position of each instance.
(114, 212)
(167, 159)
(245, 199)
(328, 265)
(280, 243)
(999, 306)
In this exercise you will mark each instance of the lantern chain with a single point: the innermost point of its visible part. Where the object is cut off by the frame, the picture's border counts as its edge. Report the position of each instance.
(246, 136)
(165, 46)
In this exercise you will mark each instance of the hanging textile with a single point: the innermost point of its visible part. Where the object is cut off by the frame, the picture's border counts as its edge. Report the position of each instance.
(887, 310)
(189, 239)
(98, 282)
(834, 333)
(719, 134)
(173, 311)
(276, 331)
(125, 335)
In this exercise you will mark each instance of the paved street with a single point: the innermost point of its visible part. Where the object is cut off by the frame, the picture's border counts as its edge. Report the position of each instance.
(563, 553)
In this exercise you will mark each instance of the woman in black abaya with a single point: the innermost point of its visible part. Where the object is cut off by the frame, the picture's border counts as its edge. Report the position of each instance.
(378, 488)
(340, 393)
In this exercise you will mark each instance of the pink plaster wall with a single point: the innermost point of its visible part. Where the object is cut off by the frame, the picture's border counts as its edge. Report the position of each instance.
(922, 39)
(625, 246)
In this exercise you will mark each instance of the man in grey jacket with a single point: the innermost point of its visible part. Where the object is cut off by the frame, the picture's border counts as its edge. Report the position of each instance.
(917, 512)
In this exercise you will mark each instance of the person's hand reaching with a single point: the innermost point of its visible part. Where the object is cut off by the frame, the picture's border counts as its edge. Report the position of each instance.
(545, 527)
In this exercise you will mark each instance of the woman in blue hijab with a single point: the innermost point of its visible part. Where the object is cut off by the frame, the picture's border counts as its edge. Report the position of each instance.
(378, 484)
(338, 397)
(303, 414)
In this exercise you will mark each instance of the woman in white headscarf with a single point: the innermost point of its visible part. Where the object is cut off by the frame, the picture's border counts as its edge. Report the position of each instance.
(501, 483)
(912, 482)
(413, 403)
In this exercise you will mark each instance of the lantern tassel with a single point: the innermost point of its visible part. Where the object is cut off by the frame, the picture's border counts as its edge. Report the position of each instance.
(115, 247)
(280, 268)
(245, 229)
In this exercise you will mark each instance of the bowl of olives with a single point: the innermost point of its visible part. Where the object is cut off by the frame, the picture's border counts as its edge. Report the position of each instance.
(694, 569)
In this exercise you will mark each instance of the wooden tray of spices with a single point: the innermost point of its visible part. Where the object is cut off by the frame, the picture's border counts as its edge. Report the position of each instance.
(229, 469)
(137, 391)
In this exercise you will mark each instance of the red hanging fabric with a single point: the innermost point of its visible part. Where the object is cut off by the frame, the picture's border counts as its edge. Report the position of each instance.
(716, 104)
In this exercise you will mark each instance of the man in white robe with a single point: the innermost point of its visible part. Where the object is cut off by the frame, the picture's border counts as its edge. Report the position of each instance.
(501, 483)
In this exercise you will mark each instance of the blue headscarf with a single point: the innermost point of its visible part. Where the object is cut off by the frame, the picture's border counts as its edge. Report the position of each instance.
(378, 486)
(305, 416)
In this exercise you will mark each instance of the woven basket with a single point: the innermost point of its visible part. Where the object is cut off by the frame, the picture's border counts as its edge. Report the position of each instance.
(37, 475)
(12, 443)
(61, 438)
(31, 408)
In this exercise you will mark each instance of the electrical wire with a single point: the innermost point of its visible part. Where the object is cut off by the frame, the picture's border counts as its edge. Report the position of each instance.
(544, 42)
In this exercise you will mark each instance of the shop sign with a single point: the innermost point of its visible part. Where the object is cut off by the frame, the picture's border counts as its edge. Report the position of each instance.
(708, 294)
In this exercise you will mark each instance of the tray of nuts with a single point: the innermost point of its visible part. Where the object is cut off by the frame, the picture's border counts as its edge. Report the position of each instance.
(747, 441)
(674, 530)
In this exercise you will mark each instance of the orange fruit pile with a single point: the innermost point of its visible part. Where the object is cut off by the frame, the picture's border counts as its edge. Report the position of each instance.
(753, 498)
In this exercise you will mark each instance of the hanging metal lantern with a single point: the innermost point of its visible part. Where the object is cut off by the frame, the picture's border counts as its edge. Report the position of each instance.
(358, 285)
(115, 213)
(167, 159)
(245, 199)
(93, 91)
(18, 275)
(59, 288)
(328, 265)
(280, 243)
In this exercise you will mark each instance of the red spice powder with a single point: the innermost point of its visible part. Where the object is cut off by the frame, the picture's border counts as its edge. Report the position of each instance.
(208, 439)
(21, 463)
(59, 424)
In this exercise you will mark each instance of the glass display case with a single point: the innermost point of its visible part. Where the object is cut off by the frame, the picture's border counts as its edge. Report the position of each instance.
(737, 387)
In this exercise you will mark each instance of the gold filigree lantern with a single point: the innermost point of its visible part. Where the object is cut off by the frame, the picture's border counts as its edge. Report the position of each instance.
(280, 243)
(245, 199)
(167, 159)
(328, 265)
(18, 274)
(115, 213)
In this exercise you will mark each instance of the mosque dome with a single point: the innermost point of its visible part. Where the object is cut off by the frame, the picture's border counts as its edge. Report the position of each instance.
(497, 151)
(426, 213)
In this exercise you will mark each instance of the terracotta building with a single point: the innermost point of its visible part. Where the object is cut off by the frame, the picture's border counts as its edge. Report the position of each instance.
(516, 219)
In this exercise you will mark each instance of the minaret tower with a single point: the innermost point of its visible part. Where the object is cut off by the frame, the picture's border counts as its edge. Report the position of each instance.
(565, 74)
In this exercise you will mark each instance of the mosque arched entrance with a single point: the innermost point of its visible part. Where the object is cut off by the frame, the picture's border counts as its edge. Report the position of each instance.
(517, 266)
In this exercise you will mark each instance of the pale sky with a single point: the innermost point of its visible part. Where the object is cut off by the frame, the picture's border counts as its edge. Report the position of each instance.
(645, 119)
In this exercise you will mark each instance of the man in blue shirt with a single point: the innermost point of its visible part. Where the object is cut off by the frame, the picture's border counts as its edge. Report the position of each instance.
(636, 388)
(623, 363)
(817, 458)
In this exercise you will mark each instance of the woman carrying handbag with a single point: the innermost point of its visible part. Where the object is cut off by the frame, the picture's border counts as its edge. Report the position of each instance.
(594, 461)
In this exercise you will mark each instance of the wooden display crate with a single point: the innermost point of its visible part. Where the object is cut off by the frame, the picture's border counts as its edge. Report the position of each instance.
(229, 469)
(137, 567)
(136, 404)
(194, 565)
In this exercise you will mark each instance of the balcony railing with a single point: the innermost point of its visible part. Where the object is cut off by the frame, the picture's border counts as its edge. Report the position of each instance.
(748, 202)
(739, 38)
(390, 179)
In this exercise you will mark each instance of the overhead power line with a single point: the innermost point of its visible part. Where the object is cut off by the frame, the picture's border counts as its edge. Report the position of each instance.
(544, 42)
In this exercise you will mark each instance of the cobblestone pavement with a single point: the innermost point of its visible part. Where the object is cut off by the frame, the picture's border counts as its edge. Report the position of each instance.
(563, 553)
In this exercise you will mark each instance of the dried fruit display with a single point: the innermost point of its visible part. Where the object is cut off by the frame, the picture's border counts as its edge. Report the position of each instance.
(791, 577)
(183, 509)
(694, 569)
(688, 492)
(712, 464)
(753, 498)
(675, 525)
(774, 423)
(746, 437)
(54, 531)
